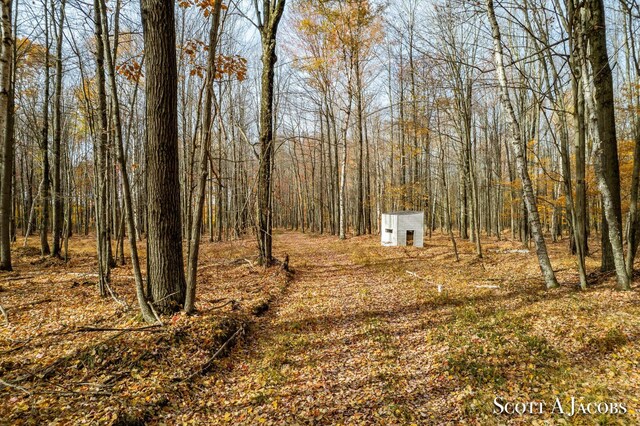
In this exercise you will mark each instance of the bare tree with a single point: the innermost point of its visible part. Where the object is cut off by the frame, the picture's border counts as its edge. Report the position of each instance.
(605, 146)
(268, 19)
(6, 134)
(196, 225)
(44, 143)
(527, 188)
(58, 204)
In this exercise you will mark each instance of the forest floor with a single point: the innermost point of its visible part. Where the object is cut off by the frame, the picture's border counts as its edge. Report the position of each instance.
(360, 335)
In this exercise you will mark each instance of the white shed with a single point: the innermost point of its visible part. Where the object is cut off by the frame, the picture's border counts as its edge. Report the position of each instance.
(402, 229)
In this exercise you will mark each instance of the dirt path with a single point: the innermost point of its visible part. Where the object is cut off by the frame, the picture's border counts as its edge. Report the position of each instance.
(344, 345)
(358, 340)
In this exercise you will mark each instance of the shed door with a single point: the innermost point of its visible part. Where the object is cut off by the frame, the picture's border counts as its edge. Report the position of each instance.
(409, 240)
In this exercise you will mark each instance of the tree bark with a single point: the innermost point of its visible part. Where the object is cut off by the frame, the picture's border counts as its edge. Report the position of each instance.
(605, 145)
(58, 205)
(527, 189)
(103, 239)
(145, 309)
(192, 261)
(6, 134)
(268, 25)
(166, 280)
(44, 144)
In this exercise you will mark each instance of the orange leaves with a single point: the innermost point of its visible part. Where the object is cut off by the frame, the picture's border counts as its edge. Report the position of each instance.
(192, 47)
(332, 33)
(206, 6)
(131, 70)
(31, 54)
(230, 65)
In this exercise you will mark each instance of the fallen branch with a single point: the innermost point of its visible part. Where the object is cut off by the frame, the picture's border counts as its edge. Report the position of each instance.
(95, 329)
(37, 302)
(11, 385)
(487, 286)
(413, 274)
(207, 365)
(15, 348)
(117, 299)
(95, 275)
(71, 393)
(155, 314)
(510, 251)
(4, 314)
(231, 302)
(24, 277)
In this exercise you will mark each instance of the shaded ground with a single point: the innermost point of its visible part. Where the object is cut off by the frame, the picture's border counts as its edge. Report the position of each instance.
(354, 339)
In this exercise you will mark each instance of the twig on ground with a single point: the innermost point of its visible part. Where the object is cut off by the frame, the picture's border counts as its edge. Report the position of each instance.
(207, 365)
(155, 314)
(22, 277)
(413, 274)
(4, 314)
(229, 302)
(119, 301)
(70, 393)
(11, 385)
(93, 329)
(37, 302)
(164, 298)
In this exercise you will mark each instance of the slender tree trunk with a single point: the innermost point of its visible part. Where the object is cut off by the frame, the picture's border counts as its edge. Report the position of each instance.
(527, 189)
(192, 262)
(44, 144)
(343, 186)
(145, 309)
(6, 134)
(269, 21)
(634, 214)
(58, 205)
(103, 239)
(359, 225)
(447, 206)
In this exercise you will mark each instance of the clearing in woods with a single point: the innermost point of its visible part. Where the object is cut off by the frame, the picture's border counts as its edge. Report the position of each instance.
(361, 335)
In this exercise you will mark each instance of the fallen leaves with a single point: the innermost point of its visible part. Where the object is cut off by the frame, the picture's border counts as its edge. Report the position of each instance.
(353, 340)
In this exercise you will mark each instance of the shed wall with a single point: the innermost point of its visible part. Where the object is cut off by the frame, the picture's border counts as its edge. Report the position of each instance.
(399, 224)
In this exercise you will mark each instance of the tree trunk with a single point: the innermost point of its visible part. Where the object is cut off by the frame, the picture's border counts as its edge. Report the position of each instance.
(268, 30)
(196, 225)
(634, 214)
(166, 280)
(44, 144)
(103, 239)
(6, 134)
(58, 205)
(145, 309)
(359, 225)
(527, 189)
(605, 146)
